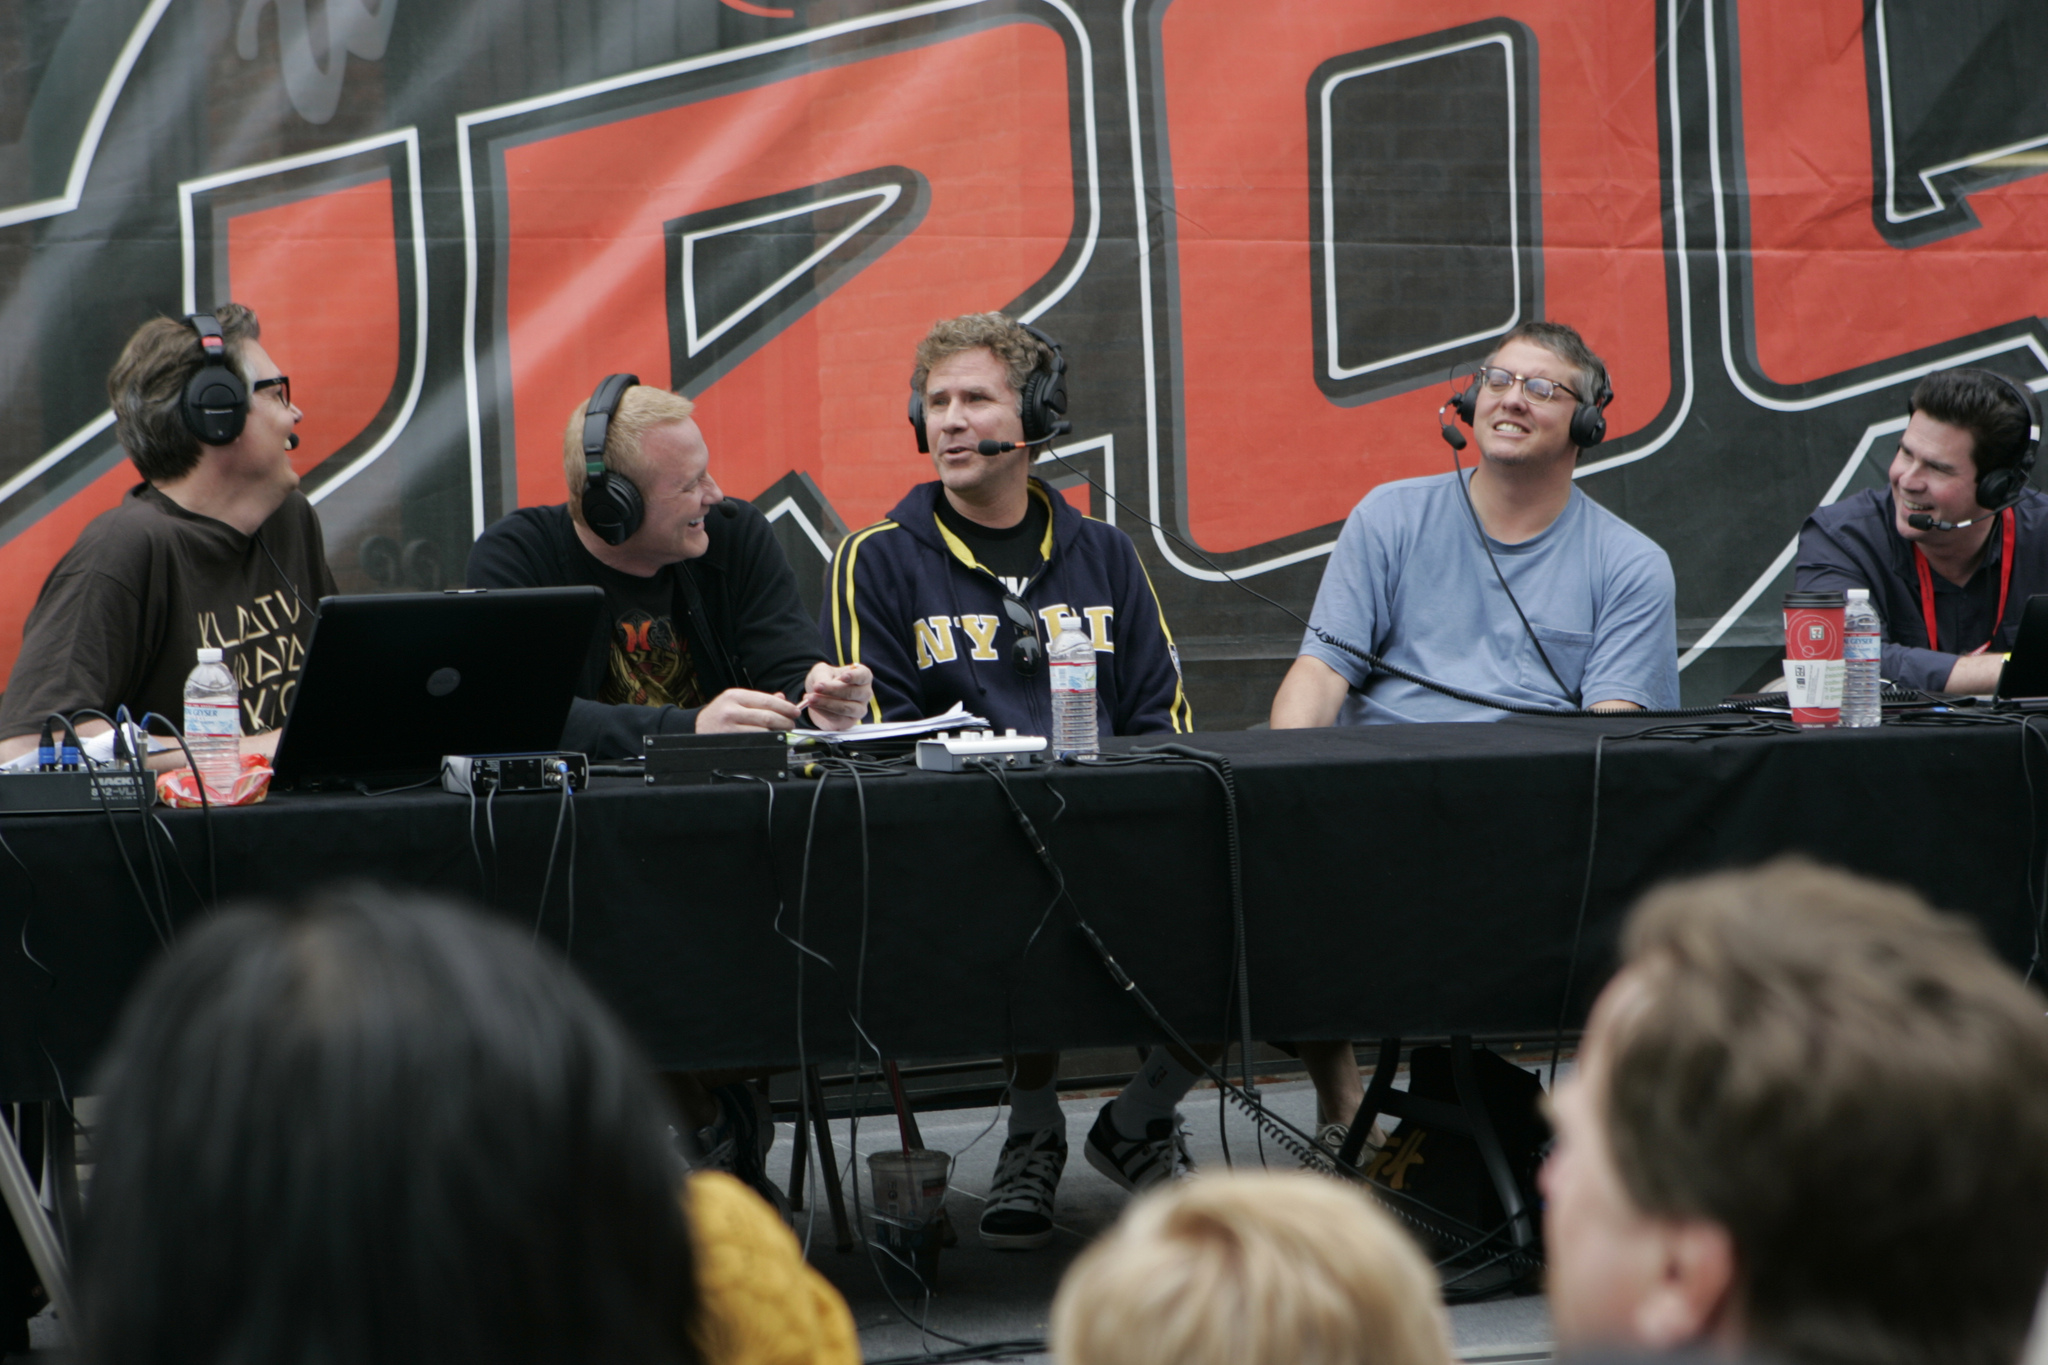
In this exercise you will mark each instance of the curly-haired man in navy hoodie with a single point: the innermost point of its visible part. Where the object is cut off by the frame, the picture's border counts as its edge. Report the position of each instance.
(955, 598)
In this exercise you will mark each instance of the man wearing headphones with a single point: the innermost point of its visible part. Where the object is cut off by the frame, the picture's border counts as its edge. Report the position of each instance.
(1954, 544)
(215, 548)
(705, 631)
(1555, 603)
(1559, 603)
(955, 598)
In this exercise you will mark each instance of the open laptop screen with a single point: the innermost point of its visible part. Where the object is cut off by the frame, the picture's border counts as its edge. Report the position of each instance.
(394, 681)
(2026, 673)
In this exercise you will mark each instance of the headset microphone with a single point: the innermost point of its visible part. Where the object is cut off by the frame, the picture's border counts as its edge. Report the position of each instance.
(291, 442)
(1455, 437)
(1059, 429)
(1921, 521)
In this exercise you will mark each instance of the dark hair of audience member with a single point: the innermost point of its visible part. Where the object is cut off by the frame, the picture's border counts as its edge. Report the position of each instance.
(373, 1127)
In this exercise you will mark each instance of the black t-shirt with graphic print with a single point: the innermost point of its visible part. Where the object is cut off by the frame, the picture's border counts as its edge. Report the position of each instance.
(145, 586)
(1013, 553)
(754, 631)
(649, 662)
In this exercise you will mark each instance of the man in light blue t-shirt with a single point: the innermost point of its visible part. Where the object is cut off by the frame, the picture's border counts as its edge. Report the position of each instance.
(1410, 580)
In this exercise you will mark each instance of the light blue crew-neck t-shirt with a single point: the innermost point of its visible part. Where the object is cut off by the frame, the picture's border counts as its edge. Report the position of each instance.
(1409, 581)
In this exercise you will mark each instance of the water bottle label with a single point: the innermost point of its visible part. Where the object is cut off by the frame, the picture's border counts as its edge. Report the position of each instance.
(1073, 677)
(211, 718)
(1862, 647)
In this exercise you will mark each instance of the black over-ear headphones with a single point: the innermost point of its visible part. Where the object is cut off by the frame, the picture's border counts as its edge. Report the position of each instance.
(1999, 489)
(1044, 399)
(611, 504)
(1589, 420)
(216, 401)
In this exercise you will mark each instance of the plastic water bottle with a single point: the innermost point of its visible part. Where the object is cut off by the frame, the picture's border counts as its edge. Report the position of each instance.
(1073, 690)
(213, 724)
(1862, 652)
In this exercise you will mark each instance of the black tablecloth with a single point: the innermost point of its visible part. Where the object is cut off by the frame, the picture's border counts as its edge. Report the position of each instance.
(1418, 879)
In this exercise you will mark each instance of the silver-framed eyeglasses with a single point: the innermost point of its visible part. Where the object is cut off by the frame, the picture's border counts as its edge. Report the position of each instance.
(1539, 389)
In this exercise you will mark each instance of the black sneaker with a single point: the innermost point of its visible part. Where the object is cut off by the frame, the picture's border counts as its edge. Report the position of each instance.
(1138, 1164)
(1018, 1215)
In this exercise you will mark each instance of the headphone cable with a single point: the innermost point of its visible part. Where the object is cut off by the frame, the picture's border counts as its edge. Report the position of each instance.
(258, 538)
(1572, 694)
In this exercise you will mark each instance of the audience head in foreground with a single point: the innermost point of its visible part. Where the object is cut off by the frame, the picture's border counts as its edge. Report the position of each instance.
(1262, 1269)
(1810, 1123)
(378, 1129)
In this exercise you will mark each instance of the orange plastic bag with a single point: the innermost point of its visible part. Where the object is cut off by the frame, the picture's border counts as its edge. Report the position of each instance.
(180, 786)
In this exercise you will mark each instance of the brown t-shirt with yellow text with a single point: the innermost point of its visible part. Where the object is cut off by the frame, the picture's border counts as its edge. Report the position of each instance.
(146, 585)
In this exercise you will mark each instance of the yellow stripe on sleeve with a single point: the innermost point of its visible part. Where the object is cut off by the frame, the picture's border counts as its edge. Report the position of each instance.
(1182, 711)
(849, 550)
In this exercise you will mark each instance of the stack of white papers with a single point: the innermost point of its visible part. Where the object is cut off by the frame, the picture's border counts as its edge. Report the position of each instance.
(958, 718)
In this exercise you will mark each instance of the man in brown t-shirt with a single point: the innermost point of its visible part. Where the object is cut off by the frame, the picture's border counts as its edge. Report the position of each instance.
(214, 548)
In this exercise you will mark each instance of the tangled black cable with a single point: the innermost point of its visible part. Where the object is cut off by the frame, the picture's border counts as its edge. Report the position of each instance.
(1417, 1213)
(994, 1350)
(824, 769)
(1238, 994)
(35, 897)
(205, 812)
(566, 811)
(162, 928)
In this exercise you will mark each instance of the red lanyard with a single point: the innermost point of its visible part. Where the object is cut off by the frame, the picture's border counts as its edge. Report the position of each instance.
(2007, 521)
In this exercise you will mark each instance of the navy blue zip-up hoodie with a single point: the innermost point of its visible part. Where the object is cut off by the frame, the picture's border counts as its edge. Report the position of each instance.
(909, 600)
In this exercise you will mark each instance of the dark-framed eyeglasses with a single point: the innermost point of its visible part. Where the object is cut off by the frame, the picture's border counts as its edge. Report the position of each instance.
(282, 383)
(1026, 651)
(1540, 390)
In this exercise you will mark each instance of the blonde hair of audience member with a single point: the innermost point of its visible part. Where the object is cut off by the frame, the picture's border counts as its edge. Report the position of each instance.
(641, 409)
(1256, 1269)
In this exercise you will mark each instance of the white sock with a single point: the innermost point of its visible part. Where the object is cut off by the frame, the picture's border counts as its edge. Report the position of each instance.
(1033, 1110)
(1161, 1083)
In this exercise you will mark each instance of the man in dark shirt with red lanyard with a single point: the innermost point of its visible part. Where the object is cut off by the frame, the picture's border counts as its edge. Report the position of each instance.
(1954, 544)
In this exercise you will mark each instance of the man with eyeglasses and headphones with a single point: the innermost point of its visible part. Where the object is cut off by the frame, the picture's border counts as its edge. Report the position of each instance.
(215, 548)
(1954, 544)
(956, 598)
(1507, 581)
